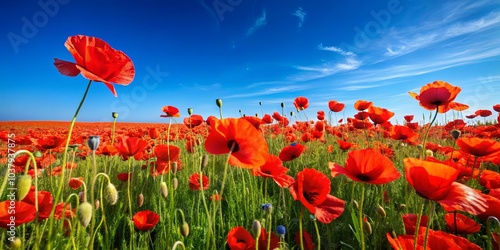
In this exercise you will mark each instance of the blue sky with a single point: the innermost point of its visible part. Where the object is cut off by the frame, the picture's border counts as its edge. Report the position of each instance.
(189, 53)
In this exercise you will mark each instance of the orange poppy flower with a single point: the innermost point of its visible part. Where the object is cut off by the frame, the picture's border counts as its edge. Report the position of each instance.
(312, 189)
(24, 212)
(439, 94)
(361, 105)
(301, 103)
(247, 144)
(335, 106)
(478, 147)
(238, 238)
(195, 182)
(490, 179)
(145, 220)
(463, 225)
(366, 165)
(436, 181)
(379, 115)
(291, 151)
(255, 121)
(273, 168)
(96, 61)
(193, 121)
(131, 146)
(170, 111)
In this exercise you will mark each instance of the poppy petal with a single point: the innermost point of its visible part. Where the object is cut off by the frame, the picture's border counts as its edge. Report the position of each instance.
(330, 209)
(463, 198)
(66, 68)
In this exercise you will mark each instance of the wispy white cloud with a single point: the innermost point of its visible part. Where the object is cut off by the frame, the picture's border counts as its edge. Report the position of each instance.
(301, 15)
(336, 49)
(260, 22)
(269, 91)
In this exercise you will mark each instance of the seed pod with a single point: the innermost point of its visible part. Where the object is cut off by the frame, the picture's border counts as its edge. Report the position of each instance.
(140, 200)
(355, 204)
(175, 183)
(429, 153)
(97, 203)
(282, 104)
(23, 186)
(256, 229)
(218, 102)
(164, 189)
(367, 227)
(174, 167)
(82, 196)
(93, 142)
(84, 213)
(381, 211)
(184, 229)
(111, 194)
(114, 115)
(16, 243)
(455, 133)
(204, 161)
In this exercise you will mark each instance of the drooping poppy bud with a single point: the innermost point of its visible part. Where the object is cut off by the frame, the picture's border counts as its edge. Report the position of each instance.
(175, 183)
(111, 194)
(367, 227)
(381, 211)
(184, 229)
(97, 204)
(256, 229)
(23, 186)
(204, 161)
(84, 213)
(93, 142)
(16, 243)
(140, 200)
(164, 189)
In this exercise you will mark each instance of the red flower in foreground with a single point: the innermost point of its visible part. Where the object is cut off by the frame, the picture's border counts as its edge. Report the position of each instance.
(165, 155)
(97, 61)
(464, 224)
(312, 189)
(145, 220)
(478, 147)
(247, 145)
(436, 181)
(410, 222)
(193, 121)
(131, 146)
(301, 103)
(239, 238)
(436, 240)
(170, 111)
(291, 151)
(440, 95)
(366, 165)
(195, 182)
(23, 213)
(45, 203)
(273, 168)
(306, 239)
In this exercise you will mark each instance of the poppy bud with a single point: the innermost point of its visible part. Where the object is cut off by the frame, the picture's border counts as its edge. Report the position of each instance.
(164, 189)
(256, 115)
(23, 186)
(84, 213)
(16, 243)
(190, 111)
(175, 183)
(204, 161)
(455, 133)
(429, 153)
(268, 208)
(74, 147)
(218, 102)
(291, 114)
(38, 154)
(93, 142)
(281, 230)
(256, 229)
(402, 207)
(419, 146)
(174, 167)
(381, 211)
(140, 200)
(260, 103)
(184, 229)
(367, 227)
(282, 104)
(111, 194)
(82, 196)
(355, 204)
(97, 203)
(114, 115)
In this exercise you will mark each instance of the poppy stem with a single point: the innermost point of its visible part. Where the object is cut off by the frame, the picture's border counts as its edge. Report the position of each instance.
(317, 234)
(431, 214)
(417, 225)
(301, 235)
(63, 168)
(360, 217)
(422, 154)
(489, 221)
(113, 132)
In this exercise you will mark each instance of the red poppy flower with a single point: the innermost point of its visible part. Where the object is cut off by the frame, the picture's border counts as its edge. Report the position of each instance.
(436, 181)
(366, 165)
(239, 238)
(436, 240)
(404, 134)
(301, 103)
(48, 142)
(215, 197)
(312, 189)
(267, 119)
(247, 145)
(263, 240)
(361, 105)
(306, 240)
(345, 145)
(193, 121)
(145, 220)
(490, 179)
(439, 94)
(170, 111)
(335, 106)
(153, 133)
(362, 115)
(320, 115)
(471, 116)
(45, 203)
(410, 222)
(379, 115)
(273, 168)
(483, 112)
(478, 147)
(361, 124)
(255, 121)
(131, 146)
(195, 182)
(291, 151)
(16, 213)
(165, 155)
(408, 118)
(124, 176)
(496, 107)
(64, 210)
(463, 225)
(492, 210)
(75, 183)
(97, 61)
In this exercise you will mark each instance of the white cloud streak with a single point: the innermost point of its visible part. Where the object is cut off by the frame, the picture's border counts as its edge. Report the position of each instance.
(260, 22)
(301, 15)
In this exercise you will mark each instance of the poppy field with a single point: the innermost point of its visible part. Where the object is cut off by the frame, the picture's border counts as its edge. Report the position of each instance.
(302, 180)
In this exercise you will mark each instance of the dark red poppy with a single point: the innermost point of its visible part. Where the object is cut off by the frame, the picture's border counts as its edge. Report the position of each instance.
(195, 182)
(408, 118)
(496, 107)
(320, 115)
(75, 182)
(471, 116)
(379, 115)
(124, 176)
(170, 111)
(96, 61)
(45, 203)
(306, 240)
(273, 168)
(145, 220)
(478, 147)
(48, 142)
(193, 121)
(439, 94)
(165, 156)
(238, 238)
(335, 106)
(301, 103)
(361, 105)
(366, 165)
(362, 115)
(263, 240)
(436, 181)
(483, 112)
(291, 151)
(131, 146)
(16, 213)
(345, 145)
(458, 223)
(312, 189)
(410, 222)
(267, 119)
(247, 144)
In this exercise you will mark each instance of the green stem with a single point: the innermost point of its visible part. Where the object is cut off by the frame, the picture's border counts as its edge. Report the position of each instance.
(490, 220)
(431, 214)
(92, 200)
(417, 225)
(427, 132)
(63, 168)
(317, 234)
(113, 132)
(301, 235)
(360, 217)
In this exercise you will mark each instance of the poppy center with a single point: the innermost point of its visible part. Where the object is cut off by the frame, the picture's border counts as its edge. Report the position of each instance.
(232, 144)
(310, 196)
(363, 177)
(437, 102)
